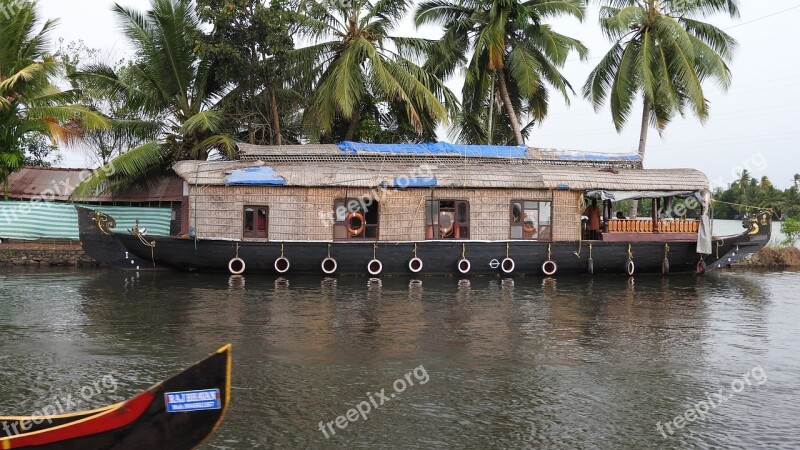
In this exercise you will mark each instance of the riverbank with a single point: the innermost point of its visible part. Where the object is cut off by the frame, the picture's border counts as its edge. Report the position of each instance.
(39, 254)
(773, 257)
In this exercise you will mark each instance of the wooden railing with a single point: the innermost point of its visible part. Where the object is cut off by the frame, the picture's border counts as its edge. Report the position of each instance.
(646, 226)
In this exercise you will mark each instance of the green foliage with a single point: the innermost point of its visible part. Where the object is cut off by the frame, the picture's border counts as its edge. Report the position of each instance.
(791, 228)
(251, 43)
(128, 127)
(171, 91)
(752, 193)
(355, 63)
(38, 151)
(31, 106)
(663, 53)
(511, 59)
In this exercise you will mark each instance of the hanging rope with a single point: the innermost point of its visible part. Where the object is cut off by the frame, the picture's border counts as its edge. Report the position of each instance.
(666, 251)
(578, 253)
(463, 250)
(329, 250)
(507, 246)
(374, 250)
(744, 206)
(549, 252)
(138, 233)
(415, 250)
(630, 252)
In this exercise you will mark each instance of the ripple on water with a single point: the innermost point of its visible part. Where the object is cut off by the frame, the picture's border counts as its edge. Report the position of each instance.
(569, 362)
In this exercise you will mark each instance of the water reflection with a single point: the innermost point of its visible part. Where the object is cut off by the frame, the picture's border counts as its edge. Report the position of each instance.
(538, 361)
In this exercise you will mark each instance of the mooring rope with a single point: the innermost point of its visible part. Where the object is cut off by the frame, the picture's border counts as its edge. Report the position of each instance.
(744, 206)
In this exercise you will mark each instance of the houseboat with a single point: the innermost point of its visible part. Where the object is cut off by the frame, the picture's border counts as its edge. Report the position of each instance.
(429, 209)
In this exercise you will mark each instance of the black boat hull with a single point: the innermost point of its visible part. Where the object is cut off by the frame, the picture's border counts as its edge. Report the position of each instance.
(127, 251)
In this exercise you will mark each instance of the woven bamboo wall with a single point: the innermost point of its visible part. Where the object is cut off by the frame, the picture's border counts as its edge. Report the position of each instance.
(298, 213)
(566, 216)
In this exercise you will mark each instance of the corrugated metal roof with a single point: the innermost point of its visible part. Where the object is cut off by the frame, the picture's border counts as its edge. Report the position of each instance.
(371, 174)
(55, 184)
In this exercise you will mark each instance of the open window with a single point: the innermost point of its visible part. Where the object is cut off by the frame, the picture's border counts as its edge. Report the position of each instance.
(256, 219)
(356, 219)
(447, 219)
(530, 219)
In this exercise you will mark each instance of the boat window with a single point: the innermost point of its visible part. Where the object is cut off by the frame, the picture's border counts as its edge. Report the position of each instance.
(447, 219)
(255, 222)
(530, 219)
(355, 219)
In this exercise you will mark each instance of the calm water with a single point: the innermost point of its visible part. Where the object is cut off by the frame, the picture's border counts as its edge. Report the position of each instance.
(565, 363)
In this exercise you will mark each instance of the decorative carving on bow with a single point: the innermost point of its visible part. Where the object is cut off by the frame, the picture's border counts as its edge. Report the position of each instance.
(104, 222)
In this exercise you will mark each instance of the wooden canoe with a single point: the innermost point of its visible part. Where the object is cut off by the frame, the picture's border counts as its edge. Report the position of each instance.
(179, 413)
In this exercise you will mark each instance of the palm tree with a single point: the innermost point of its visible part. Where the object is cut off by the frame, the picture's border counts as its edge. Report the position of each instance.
(355, 63)
(796, 181)
(662, 52)
(511, 56)
(173, 89)
(30, 104)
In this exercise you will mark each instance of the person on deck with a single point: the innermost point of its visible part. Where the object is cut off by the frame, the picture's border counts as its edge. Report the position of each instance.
(620, 215)
(593, 225)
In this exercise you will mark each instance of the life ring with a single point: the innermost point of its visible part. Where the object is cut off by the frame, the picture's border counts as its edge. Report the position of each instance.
(527, 227)
(507, 265)
(362, 224)
(464, 266)
(329, 265)
(549, 267)
(282, 265)
(239, 261)
(630, 267)
(415, 265)
(701, 267)
(446, 226)
(374, 267)
(665, 267)
(590, 266)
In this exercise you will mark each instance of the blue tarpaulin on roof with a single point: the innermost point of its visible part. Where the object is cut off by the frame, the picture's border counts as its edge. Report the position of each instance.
(254, 176)
(435, 148)
(404, 182)
(581, 156)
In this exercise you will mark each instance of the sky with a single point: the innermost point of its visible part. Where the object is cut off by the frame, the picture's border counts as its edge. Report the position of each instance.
(751, 126)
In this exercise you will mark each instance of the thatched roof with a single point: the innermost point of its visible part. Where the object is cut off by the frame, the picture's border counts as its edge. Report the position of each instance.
(372, 173)
(422, 153)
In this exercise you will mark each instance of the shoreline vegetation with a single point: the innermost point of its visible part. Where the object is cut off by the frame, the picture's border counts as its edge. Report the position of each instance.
(39, 254)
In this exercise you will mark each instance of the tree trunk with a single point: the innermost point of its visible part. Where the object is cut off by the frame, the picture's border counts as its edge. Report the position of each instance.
(642, 146)
(351, 129)
(276, 122)
(645, 128)
(512, 115)
(5, 188)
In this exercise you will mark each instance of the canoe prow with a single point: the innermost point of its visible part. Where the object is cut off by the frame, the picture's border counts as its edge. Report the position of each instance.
(179, 413)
